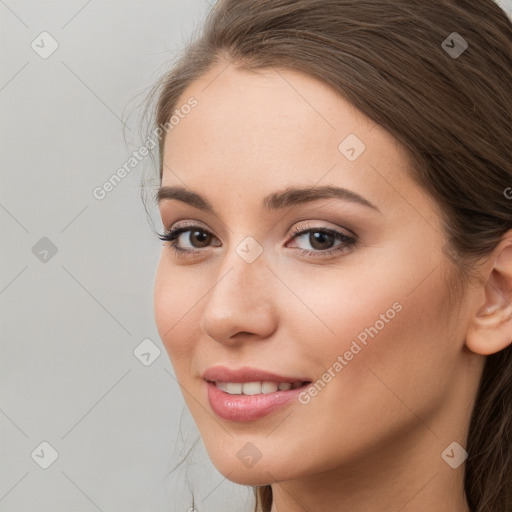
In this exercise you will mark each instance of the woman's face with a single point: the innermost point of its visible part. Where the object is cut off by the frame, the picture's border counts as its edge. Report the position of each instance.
(346, 290)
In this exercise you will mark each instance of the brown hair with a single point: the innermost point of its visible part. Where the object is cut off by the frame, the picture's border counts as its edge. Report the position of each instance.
(452, 113)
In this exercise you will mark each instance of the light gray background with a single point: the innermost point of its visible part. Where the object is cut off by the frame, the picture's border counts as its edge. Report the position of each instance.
(70, 324)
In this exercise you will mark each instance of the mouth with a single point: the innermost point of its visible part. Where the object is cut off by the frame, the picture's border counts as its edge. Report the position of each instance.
(252, 400)
(257, 387)
(246, 394)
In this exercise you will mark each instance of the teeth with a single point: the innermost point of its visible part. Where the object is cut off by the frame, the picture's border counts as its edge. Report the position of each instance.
(222, 385)
(255, 388)
(234, 388)
(251, 388)
(269, 387)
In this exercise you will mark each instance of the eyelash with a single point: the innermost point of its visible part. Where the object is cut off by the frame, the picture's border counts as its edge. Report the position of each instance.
(347, 244)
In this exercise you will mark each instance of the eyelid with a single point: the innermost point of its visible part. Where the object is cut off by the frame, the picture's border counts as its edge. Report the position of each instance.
(293, 233)
(297, 229)
(187, 223)
(311, 225)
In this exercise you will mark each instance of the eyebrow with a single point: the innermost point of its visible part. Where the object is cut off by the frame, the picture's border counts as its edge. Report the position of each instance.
(275, 201)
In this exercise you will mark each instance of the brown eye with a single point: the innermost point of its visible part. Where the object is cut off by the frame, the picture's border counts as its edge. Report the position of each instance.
(321, 240)
(199, 238)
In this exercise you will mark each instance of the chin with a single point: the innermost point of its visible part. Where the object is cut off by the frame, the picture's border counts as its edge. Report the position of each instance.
(249, 478)
(261, 473)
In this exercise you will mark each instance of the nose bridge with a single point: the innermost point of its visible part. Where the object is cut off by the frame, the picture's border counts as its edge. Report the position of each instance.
(240, 300)
(245, 270)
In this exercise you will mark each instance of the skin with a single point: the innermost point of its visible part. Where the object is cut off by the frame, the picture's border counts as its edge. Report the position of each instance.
(372, 439)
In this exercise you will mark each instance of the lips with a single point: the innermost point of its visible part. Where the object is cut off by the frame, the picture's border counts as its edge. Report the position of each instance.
(254, 405)
(248, 374)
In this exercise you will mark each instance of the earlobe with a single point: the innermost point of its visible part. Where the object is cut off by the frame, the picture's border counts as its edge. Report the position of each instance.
(490, 327)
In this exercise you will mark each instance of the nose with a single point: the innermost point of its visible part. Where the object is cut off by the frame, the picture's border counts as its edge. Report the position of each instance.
(241, 303)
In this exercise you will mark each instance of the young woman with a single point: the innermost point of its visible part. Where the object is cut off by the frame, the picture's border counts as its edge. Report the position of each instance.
(335, 286)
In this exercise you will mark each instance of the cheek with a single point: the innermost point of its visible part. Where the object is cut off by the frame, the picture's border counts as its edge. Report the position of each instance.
(174, 304)
(383, 339)
(338, 305)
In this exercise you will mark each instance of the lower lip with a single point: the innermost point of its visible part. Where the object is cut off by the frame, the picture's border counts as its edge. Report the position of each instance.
(248, 407)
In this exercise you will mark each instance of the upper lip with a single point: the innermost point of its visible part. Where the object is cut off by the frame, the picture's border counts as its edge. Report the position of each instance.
(246, 374)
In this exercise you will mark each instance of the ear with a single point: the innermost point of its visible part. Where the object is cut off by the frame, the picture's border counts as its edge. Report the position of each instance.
(490, 326)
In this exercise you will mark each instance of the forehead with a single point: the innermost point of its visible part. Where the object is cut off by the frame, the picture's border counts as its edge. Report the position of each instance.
(256, 132)
(277, 110)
